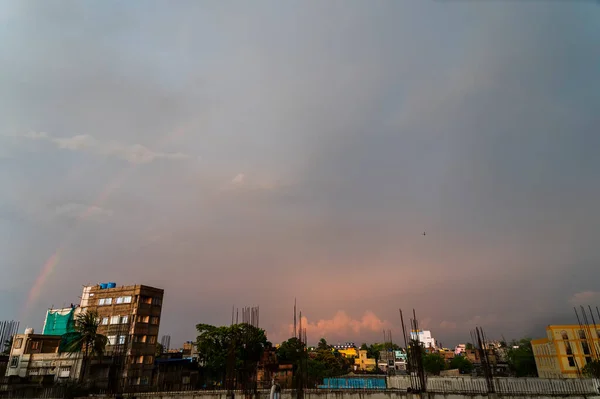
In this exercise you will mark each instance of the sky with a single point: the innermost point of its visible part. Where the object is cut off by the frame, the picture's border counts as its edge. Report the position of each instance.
(250, 153)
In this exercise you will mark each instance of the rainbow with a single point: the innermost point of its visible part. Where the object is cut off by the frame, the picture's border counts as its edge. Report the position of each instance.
(115, 183)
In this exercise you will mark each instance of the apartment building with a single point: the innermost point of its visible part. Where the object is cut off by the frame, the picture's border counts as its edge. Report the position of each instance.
(36, 356)
(565, 350)
(130, 318)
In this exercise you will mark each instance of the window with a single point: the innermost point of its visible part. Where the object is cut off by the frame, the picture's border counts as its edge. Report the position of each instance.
(571, 361)
(115, 319)
(152, 339)
(588, 359)
(14, 361)
(586, 348)
(143, 319)
(147, 299)
(139, 338)
(119, 300)
(148, 359)
(18, 343)
(568, 348)
(143, 380)
(101, 301)
(124, 319)
(104, 321)
(35, 345)
(581, 334)
(127, 299)
(108, 301)
(154, 320)
(64, 372)
(112, 339)
(564, 335)
(157, 301)
(121, 340)
(139, 359)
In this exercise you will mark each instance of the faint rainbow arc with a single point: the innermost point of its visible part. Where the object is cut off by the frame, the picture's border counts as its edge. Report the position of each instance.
(50, 265)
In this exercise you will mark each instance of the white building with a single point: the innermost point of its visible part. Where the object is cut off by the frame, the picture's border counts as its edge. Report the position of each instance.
(37, 355)
(424, 337)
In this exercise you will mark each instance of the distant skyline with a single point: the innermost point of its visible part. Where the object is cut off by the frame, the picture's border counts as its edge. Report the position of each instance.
(247, 153)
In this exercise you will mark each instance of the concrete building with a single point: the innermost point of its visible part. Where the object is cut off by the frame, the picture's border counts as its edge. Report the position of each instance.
(363, 362)
(392, 361)
(36, 355)
(565, 350)
(424, 337)
(130, 318)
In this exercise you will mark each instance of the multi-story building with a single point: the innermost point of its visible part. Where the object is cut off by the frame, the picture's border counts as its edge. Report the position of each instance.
(424, 337)
(392, 361)
(565, 350)
(363, 362)
(130, 318)
(36, 356)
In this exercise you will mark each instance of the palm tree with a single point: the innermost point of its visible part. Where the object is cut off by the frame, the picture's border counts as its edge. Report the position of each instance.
(85, 338)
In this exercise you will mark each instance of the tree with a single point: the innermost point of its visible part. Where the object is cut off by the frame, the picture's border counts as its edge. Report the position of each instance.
(215, 343)
(592, 369)
(86, 338)
(469, 346)
(159, 350)
(433, 363)
(521, 359)
(291, 351)
(7, 346)
(364, 347)
(461, 363)
(323, 345)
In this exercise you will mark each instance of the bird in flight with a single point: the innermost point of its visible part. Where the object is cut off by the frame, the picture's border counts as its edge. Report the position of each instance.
(423, 233)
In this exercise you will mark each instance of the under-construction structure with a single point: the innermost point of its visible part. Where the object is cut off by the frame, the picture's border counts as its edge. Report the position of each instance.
(7, 330)
(165, 342)
(301, 366)
(418, 380)
(241, 373)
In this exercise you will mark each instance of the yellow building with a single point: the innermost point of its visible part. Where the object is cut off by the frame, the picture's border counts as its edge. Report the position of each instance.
(363, 362)
(348, 352)
(566, 350)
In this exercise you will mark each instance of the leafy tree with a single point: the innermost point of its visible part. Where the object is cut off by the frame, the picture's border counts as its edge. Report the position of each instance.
(291, 351)
(592, 369)
(433, 363)
(364, 347)
(521, 359)
(159, 350)
(215, 343)
(7, 346)
(86, 338)
(461, 363)
(469, 346)
(323, 345)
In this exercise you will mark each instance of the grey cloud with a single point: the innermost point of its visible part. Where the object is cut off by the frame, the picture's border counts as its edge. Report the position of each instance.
(355, 127)
(135, 154)
(83, 212)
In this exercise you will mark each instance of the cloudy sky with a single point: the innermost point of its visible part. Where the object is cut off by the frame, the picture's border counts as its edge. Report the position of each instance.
(246, 153)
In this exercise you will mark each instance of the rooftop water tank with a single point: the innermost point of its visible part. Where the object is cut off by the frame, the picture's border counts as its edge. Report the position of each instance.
(103, 286)
(28, 331)
(111, 285)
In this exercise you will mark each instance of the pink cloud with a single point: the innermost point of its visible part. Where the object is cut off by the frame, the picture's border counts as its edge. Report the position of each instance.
(341, 326)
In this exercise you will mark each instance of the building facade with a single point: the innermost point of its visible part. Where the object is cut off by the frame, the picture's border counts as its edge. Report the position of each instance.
(363, 362)
(130, 318)
(424, 337)
(392, 361)
(36, 356)
(565, 350)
